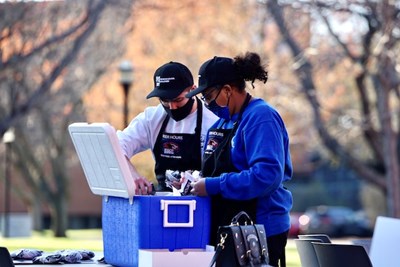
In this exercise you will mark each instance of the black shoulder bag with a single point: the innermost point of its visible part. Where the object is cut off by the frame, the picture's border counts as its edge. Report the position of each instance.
(241, 245)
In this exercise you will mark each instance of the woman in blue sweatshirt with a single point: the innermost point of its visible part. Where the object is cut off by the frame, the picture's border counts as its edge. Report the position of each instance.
(246, 158)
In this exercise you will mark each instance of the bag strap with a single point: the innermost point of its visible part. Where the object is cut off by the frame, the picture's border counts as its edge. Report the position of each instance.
(262, 241)
(235, 220)
(215, 257)
(246, 244)
(219, 248)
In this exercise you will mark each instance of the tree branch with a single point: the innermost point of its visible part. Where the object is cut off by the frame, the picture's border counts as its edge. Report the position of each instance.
(306, 78)
(34, 99)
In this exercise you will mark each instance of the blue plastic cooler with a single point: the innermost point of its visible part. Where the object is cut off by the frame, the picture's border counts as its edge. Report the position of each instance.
(153, 222)
(133, 222)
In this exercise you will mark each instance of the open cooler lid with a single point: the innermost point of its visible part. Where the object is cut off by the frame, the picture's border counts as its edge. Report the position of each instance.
(103, 162)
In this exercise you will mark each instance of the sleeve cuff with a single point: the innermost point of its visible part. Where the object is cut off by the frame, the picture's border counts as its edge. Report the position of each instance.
(212, 186)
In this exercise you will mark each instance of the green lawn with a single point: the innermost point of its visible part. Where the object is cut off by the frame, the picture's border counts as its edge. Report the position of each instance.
(92, 240)
(77, 239)
(292, 257)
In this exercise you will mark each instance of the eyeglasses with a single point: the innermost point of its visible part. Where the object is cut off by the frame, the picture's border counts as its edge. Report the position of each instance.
(206, 97)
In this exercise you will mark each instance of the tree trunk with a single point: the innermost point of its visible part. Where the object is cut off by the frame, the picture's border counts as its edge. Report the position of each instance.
(59, 218)
(37, 216)
(389, 139)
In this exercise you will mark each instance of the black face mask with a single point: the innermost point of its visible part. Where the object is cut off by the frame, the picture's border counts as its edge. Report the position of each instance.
(182, 112)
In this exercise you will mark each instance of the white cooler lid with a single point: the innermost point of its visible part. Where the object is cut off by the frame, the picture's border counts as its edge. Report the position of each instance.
(103, 162)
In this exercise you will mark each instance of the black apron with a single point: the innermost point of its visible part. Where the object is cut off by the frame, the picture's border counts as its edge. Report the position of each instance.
(177, 152)
(217, 160)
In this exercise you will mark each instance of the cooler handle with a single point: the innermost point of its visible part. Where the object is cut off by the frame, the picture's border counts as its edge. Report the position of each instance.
(164, 207)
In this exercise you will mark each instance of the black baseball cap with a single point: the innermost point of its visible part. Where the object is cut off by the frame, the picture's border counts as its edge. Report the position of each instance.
(215, 71)
(170, 80)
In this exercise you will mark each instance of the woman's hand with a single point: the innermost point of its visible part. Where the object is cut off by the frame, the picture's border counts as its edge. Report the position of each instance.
(199, 188)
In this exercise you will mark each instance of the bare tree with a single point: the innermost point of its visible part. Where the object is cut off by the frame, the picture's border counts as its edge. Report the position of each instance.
(373, 52)
(51, 54)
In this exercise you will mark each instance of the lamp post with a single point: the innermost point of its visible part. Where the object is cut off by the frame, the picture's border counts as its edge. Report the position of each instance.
(8, 139)
(126, 81)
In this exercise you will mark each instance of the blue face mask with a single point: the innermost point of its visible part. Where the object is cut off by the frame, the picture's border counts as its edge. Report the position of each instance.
(222, 112)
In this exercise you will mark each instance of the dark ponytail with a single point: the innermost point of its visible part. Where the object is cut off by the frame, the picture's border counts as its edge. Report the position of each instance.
(250, 69)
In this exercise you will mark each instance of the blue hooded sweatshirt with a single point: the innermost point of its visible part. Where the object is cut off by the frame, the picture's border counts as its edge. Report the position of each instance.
(260, 151)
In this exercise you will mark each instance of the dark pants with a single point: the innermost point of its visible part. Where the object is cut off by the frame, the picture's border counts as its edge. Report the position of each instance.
(276, 249)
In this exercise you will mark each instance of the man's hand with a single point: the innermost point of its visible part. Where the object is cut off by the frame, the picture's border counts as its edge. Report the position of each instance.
(143, 187)
(178, 184)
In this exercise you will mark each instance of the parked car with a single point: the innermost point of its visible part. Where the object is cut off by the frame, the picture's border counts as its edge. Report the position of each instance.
(294, 230)
(335, 221)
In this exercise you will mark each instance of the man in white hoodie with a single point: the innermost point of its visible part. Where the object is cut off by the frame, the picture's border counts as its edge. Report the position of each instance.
(174, 130)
